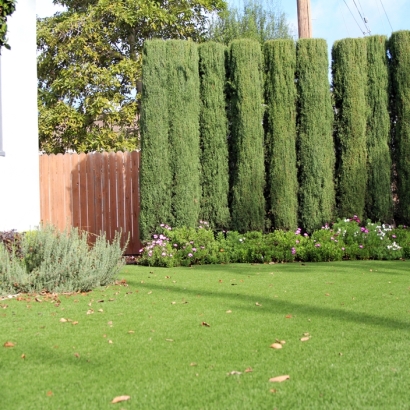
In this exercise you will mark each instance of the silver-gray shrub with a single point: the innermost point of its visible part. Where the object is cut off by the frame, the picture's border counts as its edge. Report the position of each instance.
(56, 261)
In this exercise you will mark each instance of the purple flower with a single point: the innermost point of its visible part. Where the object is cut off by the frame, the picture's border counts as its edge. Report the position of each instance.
(175, 245)
(361, 246)
(343, 249)
(193, 249)
(317, 245)
(393, 236)
(190, 255)
(141, 250)
(305, 235)
(155, 236)
(293, 251)
(162, 225)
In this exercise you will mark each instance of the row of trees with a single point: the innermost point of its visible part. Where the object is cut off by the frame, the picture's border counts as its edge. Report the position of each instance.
(90, 55)
(286, 151)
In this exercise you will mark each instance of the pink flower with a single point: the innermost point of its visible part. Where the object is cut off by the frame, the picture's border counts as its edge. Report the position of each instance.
(164, 254)
(190, 255)
(293, 251)
(361, 246)
(193, 249)
(343, 249)
(317, 245)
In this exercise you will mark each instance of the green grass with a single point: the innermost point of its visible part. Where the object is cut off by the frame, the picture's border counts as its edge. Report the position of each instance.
(357, 313)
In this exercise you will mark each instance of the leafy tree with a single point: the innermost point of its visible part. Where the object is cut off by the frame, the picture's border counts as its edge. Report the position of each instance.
(260, 20)
(90, 63)
(7, 7)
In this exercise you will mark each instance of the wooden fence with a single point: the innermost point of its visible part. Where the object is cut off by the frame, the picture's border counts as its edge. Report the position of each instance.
(95, 192)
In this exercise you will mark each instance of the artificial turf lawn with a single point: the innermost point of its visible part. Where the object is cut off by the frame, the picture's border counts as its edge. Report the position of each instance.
(358, 356)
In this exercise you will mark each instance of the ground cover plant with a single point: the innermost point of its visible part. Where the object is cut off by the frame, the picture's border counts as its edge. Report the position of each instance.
(200, 337)
(346, 239)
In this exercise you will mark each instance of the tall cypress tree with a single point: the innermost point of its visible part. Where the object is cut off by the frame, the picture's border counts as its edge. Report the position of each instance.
(378, 197)
(183, 108)
(399, 46)
(280, 120)
(213, 135)
(247, 139)
(315, 135)
(155, 174)
(349, 84)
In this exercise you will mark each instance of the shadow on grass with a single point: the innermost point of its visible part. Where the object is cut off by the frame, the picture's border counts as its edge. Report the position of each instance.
(275, 306)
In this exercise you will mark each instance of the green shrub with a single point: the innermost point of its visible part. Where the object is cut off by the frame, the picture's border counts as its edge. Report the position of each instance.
(247, 172)
(280, 140)
(213, 136)
(56, 261)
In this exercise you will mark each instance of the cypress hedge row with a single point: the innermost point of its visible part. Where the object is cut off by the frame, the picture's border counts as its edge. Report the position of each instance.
(155, 175)
(378, 196)
(316, 155)
(183, 108)
(213, 135)
(399, 46)
(350, 90)
(247, 136)
(280, 142)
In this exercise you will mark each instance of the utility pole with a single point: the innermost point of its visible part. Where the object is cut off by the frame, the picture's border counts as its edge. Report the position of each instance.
(304, 19)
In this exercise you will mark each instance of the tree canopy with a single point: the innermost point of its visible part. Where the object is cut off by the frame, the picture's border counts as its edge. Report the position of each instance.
(90, 62)
(260, 20)
(7, 8)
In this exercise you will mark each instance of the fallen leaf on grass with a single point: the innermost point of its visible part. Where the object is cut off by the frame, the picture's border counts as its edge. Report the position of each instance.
(173, 303)
(169, 340)
(49, 393)
(288, 316)
(258, 304)
(75, 323)
(149, 292)
(131, 331)
(9, 344)
(205, 324)
(282, 342)
(90, 312)
(110, 342)
(23, 356)
(100, 310)
(100, 301)
(273, 390)
(233, 373)
(120, 398)
(249, 370)
(38, 300)
(76, 355)
(109, 323)
(193, 364)
(279, 379)
(305, 339)
(327, 294)
(229, 311)
(276, 346)
(62, 320)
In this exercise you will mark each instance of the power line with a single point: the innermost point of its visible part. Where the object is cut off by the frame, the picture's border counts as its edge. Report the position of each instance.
(362, 17)
(358, 25)
(386, 15)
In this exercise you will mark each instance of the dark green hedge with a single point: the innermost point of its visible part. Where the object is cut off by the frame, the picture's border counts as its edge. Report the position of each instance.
(399, 46)
(247, 137)
(213, 135)
(183, 108)
(378, 197)
(280, 141)
(349, 69)
(155, 174)
(315, 135)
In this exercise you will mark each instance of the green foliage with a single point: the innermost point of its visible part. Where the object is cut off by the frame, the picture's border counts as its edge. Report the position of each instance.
(59, 262)
(315, 135)
(155, 172)
(184, 108)
(280, 142)
(349, 69)
(90, 62)
(247, 136)
(379, 204)
(213, 135)
(261, 20)
(399, 46)
(7, 8)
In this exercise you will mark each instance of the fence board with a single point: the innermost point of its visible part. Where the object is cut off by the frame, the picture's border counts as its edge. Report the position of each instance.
(95, 192)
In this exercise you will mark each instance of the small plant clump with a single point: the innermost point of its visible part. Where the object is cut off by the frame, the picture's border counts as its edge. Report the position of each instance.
(346, 239)
(53, 261)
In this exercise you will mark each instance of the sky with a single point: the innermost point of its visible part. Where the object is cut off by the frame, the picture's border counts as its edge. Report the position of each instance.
(331, 19)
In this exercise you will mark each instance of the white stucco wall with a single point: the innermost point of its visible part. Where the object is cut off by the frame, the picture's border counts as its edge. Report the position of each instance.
(19, 168)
